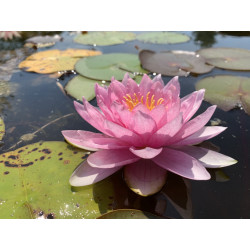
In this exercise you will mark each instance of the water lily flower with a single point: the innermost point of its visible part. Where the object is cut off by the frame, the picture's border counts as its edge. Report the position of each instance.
(147, 130)
(9, 34)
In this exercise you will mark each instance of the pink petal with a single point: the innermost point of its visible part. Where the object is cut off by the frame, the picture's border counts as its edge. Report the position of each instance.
(146, 153)
(165, 133)
(158, 79)
(145, 85)
(116, 91)
(132, 88)
(111, 158)
(91, 141)
(194, 125)
(121, 133)
(144, 177)
(86, 175)
(143, 124)
(182, 164)
(208, 158)
(201, 135)
(191, 103)
(90, 114)
(173, 85)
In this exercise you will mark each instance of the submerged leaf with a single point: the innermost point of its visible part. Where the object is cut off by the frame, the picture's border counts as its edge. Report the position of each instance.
(34, 182)
(172, 63)
(162, 37)
(227, 91)
(104, 67)
(104, 38)
(51, 61)
(227, 58)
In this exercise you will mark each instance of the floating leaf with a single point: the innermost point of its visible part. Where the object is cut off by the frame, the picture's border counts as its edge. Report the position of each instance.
(103, 67)
(227, 91)
(128, 214)
(2, 128)
(104, 38)
(227, 58)
(34, 181)
(44, 39)
(172, 63)
(162, 37)
(51, 61)
(81, 86)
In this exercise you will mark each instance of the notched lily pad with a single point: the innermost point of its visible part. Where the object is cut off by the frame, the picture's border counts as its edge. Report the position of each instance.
(227, 91)
(51, 61)
(172, 63)
(81, 86)
(128, 214)
(2, 128)
(34, 181)
(227, 58)
(162, 37)
(104, 38)
(103, 67)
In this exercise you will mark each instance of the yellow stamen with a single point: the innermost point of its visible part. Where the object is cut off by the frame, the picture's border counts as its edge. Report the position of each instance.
(133, 102)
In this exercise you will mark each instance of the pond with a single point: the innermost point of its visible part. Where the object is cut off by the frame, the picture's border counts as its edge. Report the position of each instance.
(36, 107)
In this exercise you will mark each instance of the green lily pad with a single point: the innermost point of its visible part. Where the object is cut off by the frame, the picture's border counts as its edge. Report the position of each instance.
(227, 58)
(2, 128)
(34, 183)
(104, 67)
(227, 91)
(81, 86)
(128, 214)
(162, 37)
(104, 38)
(172, 63)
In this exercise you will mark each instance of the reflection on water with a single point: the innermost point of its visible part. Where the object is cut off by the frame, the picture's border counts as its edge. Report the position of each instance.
(37, 100)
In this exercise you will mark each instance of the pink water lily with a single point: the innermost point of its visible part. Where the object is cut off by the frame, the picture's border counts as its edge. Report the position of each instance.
(147, 130)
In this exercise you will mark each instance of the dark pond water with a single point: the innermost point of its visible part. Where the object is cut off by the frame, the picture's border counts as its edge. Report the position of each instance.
(36, 100)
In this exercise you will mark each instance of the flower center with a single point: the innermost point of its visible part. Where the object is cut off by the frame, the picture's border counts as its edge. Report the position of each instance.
(150, 103)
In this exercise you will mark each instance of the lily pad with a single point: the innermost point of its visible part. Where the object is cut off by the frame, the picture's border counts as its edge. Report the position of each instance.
(227, 58)
(172, 63)
(34, 183)
(2, 128)
(128, 214)
(42, 41)
(104, 67)
(51, 61)
(104, 38)
(162, 37)
(81, 86)
(227, 91)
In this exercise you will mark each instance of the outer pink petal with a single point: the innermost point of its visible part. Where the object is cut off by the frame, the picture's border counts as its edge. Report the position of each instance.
(208, 158)
(91, 141)
(194, 125)
(191, 103)
(165, 133)
(144, 177)
(90, 114)
(201, 135)
(86, 175)
(111, 158)
(146, 153)
(182, 164)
